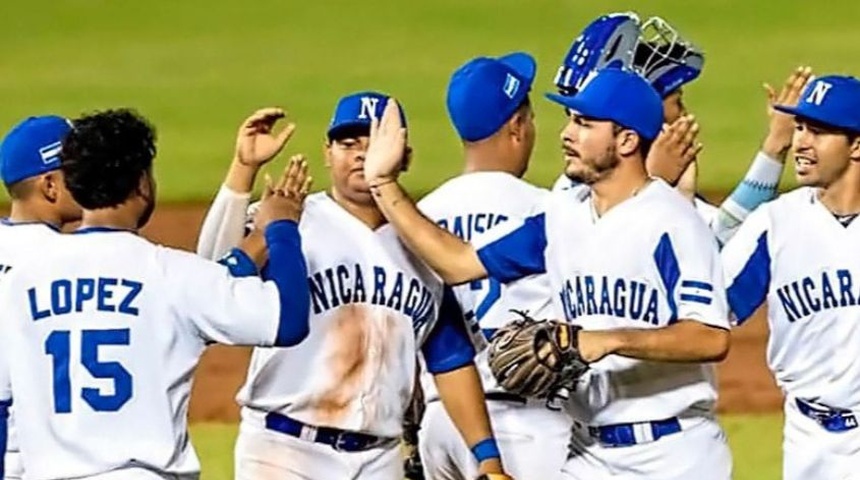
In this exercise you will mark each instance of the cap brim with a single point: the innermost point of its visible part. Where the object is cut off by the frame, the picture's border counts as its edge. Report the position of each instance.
(573, 103)
(811, 115)
(349, 129)
(522, 63)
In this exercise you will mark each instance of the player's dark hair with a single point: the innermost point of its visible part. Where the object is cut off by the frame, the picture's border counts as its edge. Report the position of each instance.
(105, 155)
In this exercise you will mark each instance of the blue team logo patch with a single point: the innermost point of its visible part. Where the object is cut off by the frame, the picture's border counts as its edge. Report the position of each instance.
(50, 153)
(512, 86)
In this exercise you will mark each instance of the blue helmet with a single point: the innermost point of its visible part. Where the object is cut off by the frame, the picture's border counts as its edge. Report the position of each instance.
(653, 49)
(666, 59)
(610, 41)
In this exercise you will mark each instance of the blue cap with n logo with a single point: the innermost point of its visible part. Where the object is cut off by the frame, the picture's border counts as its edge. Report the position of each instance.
(833, 100)
(32, 148)
(354, 112)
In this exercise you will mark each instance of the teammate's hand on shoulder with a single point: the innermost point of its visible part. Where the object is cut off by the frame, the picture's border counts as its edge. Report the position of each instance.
(256, 142)
(674, 149)
(781, 125)
(284, 200)
(387, 149)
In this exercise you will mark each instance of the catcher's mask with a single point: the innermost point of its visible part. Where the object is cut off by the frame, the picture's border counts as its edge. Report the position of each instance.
(608, 42)
(666, 59)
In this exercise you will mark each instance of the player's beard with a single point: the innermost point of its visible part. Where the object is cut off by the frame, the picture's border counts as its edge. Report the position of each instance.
(590, 172)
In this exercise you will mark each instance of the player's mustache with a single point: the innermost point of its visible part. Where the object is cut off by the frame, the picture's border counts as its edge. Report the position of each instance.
(569, 151)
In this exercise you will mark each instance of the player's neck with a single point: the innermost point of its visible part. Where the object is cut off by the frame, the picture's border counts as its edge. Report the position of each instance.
(26, 212)
(116, 218)
(488, 158)
(843, 196)
(368, 214)
(622, 184)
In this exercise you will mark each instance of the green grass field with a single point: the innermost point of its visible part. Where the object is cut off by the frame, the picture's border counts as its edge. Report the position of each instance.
(196, 69)
(755, 441)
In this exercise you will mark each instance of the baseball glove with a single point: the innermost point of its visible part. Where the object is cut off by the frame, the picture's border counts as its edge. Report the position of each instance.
(534, 358)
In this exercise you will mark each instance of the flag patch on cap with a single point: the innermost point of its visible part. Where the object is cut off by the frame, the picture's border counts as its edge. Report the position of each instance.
(51, 153)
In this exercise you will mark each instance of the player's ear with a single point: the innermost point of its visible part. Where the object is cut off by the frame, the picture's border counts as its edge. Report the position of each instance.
(854, 148)
(327, 153)
(627, 142)
(49, 185)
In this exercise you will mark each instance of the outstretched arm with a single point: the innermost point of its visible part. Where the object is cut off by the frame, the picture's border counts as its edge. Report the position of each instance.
(453, 259)
(761, 180)
(256, 145)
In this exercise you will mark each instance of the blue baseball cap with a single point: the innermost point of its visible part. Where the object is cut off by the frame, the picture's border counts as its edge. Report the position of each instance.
(833, 100)
(621, 96)
(355, 112)
(485, 92)
(32, 148)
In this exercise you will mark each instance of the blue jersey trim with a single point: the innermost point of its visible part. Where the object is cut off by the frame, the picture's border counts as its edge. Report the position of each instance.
(288, 269)
(749, 288)
(448, 346)
(670, 272)
(518, 254)
(96, 229)
(6, 221)
(239, 263)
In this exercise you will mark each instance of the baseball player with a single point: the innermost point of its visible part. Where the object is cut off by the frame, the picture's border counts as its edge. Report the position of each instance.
(102, 329)
(488, 103)
(657, 51)
(629, 261)
(40, 206)
(796, 256)
(373, 305)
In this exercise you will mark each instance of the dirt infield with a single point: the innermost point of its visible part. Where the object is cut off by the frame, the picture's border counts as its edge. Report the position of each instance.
(745, 382)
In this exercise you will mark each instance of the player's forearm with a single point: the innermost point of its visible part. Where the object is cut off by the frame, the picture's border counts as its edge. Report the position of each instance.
(254, 245)
(289, 271)
(758, 186)
(240, 177)
(453, 259)
(462, 395)
(224, 224)
(684, 341)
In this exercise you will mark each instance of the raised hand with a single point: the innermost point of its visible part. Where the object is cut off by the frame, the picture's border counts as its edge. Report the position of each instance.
(781, 125)
(674, 149)
(256, 142)
(285, 199)
(387, 148)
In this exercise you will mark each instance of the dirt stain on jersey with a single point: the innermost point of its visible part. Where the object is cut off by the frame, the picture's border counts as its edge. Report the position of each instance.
(347, 339)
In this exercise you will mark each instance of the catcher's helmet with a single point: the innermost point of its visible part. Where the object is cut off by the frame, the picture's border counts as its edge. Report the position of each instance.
(654, 49)
(610, 41)
(666, 59)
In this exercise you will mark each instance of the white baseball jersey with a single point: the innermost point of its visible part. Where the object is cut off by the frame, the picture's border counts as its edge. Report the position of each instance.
(18, 240)
(796, 257)
(647, 263)
(469, 206)
(101, 334)
(707, 211)
(372, 304)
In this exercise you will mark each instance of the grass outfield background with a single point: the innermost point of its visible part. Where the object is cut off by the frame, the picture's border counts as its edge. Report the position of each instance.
(755, 441)
(196, 69)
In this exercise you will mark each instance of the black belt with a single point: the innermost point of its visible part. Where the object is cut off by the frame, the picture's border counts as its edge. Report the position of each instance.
(340, 440)
(505, 397)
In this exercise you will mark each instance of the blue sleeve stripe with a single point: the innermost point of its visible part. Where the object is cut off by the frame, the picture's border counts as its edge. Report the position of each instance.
(448, 346)
(695, 284)
(489, 332)
(749, 288)
(4, 418)
(696, 298)
(287, 268)
(670, 272)
(519, 253)
(239, 263)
